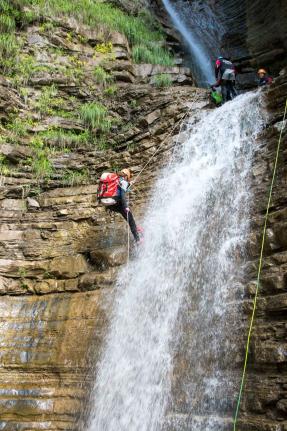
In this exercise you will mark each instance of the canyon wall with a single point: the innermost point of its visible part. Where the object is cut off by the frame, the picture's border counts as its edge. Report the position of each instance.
(60, 251)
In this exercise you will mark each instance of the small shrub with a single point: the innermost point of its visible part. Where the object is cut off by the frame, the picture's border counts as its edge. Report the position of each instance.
(95, 116)
(163, 80)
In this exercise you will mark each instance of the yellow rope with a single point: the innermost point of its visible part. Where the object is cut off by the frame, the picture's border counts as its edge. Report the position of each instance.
(258, 276)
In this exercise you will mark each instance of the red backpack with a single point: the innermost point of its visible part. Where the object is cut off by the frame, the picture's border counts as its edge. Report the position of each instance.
(108, 188)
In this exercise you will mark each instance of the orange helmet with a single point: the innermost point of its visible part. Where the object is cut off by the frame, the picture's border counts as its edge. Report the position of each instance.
(261, 71)
(127, 173)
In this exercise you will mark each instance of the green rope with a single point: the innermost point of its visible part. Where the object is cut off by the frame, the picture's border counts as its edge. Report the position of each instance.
(258, 276)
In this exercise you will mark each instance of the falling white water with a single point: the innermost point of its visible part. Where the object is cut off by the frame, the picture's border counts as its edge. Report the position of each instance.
(204, 70)
(172, 299)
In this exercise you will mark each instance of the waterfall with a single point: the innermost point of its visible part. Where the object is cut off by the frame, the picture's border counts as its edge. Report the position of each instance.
(189, 23)
(171, 342)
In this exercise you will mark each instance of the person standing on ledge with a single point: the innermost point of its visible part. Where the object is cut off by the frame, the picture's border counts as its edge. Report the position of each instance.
(225, 74)
(264, 78)
(112, 194)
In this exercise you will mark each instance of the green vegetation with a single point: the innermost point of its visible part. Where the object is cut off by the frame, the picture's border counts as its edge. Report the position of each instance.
(111, 91)
(151, 54)
(163, 80)
(9, 49)
(95, 116)
(7, 23)
(49, 104)
(40, 163)
(104, 48)
(19, 127)
(4, 167)
(102, 77)
(65, 139)
(141, 31)
(12, 15)
(75, 178)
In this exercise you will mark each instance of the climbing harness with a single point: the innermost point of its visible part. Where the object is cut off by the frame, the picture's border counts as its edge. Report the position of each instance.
(258, 275)
(165, 139)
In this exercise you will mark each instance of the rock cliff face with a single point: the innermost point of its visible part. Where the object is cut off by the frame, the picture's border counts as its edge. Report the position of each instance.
(60, 252)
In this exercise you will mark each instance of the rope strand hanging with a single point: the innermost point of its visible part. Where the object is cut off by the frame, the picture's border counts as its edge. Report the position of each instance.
(235, 420)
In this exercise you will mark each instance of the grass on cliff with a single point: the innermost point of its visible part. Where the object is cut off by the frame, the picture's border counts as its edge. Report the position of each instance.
(141, 31)
(95, 116)
(163, 80)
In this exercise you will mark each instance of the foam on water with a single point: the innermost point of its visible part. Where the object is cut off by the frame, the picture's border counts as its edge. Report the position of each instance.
(180, 283)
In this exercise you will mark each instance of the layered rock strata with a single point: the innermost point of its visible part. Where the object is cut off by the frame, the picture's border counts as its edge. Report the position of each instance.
(59, 250)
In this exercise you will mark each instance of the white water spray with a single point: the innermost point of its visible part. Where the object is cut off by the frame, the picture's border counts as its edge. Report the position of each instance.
(172, 300)
(204, 72)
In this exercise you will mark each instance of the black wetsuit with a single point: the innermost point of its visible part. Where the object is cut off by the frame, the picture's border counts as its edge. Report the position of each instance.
(121, 207)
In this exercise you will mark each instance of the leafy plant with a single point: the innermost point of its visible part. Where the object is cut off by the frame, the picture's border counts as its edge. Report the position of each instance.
(95, 116)
(162, 80)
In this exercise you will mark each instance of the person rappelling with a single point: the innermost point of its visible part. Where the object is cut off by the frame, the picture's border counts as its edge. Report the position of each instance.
(225, 74)
(112, 194)
(264, 78)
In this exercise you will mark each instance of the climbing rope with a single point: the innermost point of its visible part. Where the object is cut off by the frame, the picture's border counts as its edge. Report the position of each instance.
(180, 123)
(128, 241)
(258, 275)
